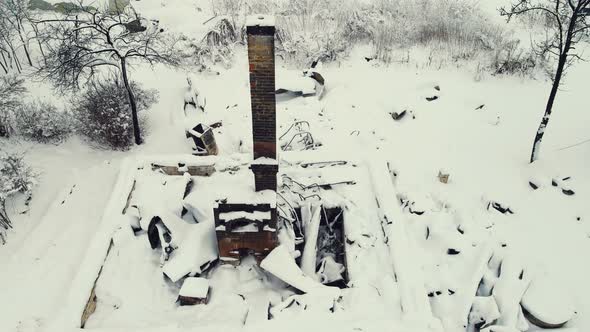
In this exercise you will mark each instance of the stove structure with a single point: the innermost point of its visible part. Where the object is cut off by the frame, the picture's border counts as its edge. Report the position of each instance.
(249, 228)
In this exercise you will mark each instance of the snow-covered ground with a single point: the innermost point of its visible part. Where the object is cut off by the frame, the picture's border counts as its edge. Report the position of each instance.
(483, 149)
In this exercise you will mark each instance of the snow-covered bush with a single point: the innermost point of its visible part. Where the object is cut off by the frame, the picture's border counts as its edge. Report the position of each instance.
(513, 60)
(301, 46)
(327, 29)
(306, 30)
(314, 30)
(11, 93)
(15, 177)
(216, 47)
(103, 113)
(458, 28)
(223, 33)
(387, 31)
(41, 121)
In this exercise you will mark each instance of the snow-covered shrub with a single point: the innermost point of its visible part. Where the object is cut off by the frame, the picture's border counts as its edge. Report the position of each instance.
(306, 30)
(223, 33)
(205, 56)
(216, 47)
(322, 30)
(103, 113)
(453, 30)
(301, 46)
(15, 177)
(387, 31)
(41, 121)
(513, 60)
(11, 93)
(457, 27)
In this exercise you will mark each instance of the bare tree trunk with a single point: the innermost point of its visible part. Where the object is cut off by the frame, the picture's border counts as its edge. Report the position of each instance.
(132, 102)
(3, 68)
(36, 30)
(556, 82)
(548, 110)
(12, 54)
(16, 61)
(25, 47)
(6, 65)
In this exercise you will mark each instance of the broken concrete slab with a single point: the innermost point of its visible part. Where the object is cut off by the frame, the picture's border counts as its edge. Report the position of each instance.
(281, 264)
(546, 305)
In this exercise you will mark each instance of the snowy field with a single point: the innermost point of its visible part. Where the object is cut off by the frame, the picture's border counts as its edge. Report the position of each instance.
(479, 131)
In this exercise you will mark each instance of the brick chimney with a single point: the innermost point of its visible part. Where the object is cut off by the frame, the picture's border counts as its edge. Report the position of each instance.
(261, 60)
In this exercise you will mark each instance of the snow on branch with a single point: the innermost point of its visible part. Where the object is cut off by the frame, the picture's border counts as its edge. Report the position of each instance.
(85, 39)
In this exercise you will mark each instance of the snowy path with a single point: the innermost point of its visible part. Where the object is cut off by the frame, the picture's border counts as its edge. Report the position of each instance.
(39, 273)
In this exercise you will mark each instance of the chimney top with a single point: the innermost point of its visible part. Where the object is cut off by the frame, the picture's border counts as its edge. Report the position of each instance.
(260, 25)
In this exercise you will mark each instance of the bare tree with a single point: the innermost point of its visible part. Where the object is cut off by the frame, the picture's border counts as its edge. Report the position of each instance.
(7, 46)
(38, 36)
(86, 40)
(14, 13)
(567, 24)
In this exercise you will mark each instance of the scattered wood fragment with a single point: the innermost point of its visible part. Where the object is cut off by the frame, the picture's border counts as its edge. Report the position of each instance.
(453, 252)
(443, 177)
(398, 116)
(568, 192)
(500, 208)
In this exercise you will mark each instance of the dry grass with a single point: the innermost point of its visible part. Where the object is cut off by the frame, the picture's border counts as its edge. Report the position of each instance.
(309, 30)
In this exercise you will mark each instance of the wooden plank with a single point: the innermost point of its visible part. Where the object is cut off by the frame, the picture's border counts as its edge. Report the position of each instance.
(206, 170)
(90, 307)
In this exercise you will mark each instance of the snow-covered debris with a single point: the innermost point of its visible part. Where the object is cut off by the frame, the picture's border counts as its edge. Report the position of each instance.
(413, 293)
(320, 82)
(497, 328)
(291, 81)
(298, 137)
(484, 311)
(509, 289)
(171, 189)
(546, 304)
(281, 264)
(443, 177)
(204, 139)
(196, 250)
(330, 271)
(194, 100)
(295, 305)
(196, 288)
(311, 229)
(258, 307)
